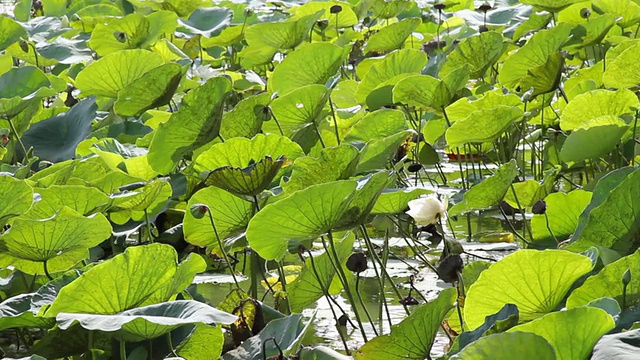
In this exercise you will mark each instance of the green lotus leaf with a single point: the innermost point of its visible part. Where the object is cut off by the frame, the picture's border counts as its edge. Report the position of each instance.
(377, 125)
(334, 163)
(504, 319)
(608, 283)
(389, 9)
(620, 72)
(207, 21)
(82, 171)
(305, 290)
(246, 181)
(461, 109)
(377, 154)
(396, 201)
(281, 35)
(242, 152)
(596, 103)
(297, 109)
(82, 199)
(142, 275)
(286, 332)
(17, 198)
(535, 22)
(392, 37)
(502, 347)
(407, 61)
(482, 126)
(150, 321)
(10, 32)
(66, 51)
(113, 72)
(617, 346)
(55, 139)
(21, 85)
(489, 192)
(131, 32)
(550, 5)
(306, 214)
(230, 35)
(230, 213)
(422, 91)
(479, 52)
(626, 13)
(321, 353)
(203, 343)
(344, 19)
(593, 31)
(256, 55)
(88, 17)
(246, 118)
(368, 191)
(295, 71)
(150, 198)
(548, 274)
(15, 312)
(593, 139)
(544, 78)
(153, 90)
(588, 324)
(562, 211)
(195, 124)
(413, 337)
(56, 243)
(528, 192)
(533, 55)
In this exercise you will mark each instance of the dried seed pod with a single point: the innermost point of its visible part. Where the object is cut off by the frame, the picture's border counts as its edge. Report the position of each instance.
(540, 207)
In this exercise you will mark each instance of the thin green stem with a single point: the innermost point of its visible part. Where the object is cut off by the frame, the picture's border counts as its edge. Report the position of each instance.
(222, 250)
(46, 270)
(15, 133)
(123, 350)
(364, 307)
(335, 121)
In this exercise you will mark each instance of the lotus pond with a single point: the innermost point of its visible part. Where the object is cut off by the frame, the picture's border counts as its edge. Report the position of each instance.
(368, 179)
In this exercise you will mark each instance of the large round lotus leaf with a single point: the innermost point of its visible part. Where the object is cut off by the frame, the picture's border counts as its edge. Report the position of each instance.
(231, 215)
(18, 85)
(422, 91)
(147, 200)
(377, 125)
(17, 197)
(489, 192)
(377, 153)
(576, 341)
(15, 312)
(239, 152)
(563, 211)
(148, 322)
(195, 124)
(550, 5)
(479, 52)
(612, 221)
(297, 109)
(593, 139)
(207, 21)
(10, 32)
(66, 51)
(61, 241)
(405, 61)
(608, 283)
(153, 90)
(413, 337)
(504, 346)
(368, 191)
(548, 276)
(345, 18)
(248, 181)
(305, 215)
(461, 109)
(533, 54)
(112, 73)
(55, 139)
(85, 200)
(482, 126)
(246, 118)
(396, 201)
(593, 31)
(204, 342)
(392, 37)
(620, 73)
(131, 32)
(334, 163)
(624, 345)
(281, 35)
(627, 13)
(305, 290)
(142, 275)
(296, 71)
(584, 107)
(544, 78)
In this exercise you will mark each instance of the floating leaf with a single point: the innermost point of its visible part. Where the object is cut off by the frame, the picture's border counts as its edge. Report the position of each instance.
(548, 274)
(413, 337)
(195, 124)
(489, 192)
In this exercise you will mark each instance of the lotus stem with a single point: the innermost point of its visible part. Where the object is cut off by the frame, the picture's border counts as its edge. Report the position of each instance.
(221, 245)
(546, 218)
(333, 114)
(15, 132)
(46, 270)
(461, 294)
(123, 350)
(364, 307)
